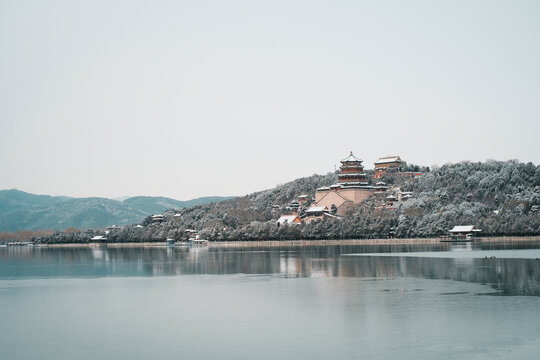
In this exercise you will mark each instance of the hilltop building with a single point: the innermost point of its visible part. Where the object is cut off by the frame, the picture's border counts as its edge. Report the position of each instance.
(289, 219)
(385, 163)
(318, 213)
(404, 195)
(352, 187)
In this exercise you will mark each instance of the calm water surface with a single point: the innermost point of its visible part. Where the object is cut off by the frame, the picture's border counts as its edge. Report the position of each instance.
(313, 302)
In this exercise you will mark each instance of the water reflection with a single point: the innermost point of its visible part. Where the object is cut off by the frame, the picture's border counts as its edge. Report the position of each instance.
(464, 246)
(507, 276)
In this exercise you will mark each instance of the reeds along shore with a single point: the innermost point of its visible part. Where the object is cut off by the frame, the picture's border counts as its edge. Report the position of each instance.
(284, 243)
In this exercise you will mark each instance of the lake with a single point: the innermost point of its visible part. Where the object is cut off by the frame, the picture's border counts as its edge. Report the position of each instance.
(438, 301)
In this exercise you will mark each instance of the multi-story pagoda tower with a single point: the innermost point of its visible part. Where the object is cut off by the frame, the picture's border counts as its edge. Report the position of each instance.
(352, 187)
(351, 172)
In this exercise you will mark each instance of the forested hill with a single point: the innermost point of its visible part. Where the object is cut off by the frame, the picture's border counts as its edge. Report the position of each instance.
(501, 198)
(24, 211)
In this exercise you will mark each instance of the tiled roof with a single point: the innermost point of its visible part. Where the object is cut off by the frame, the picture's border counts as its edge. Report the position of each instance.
(386, 160)
(464, 228)
(316, 209)
(289, 219)
(351, 158)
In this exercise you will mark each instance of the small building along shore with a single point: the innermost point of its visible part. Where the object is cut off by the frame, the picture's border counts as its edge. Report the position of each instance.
(463, 232)
(98, 241)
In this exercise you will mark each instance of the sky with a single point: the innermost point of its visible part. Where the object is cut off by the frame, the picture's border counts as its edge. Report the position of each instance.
(199, 98)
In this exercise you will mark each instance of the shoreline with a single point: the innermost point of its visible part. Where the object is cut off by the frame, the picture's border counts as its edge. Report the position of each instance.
(398, 241)
(290, 243)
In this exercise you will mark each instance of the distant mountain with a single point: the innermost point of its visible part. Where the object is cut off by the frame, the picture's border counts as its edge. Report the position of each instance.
(24, 211)
(154, 205)
(121, 198)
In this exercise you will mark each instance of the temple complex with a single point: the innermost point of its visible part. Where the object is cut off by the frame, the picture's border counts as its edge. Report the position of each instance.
(352, 187)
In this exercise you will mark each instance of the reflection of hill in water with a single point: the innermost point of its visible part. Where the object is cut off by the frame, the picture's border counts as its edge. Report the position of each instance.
(510, 276)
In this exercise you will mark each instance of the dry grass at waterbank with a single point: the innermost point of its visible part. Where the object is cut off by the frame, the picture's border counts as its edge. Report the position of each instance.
(109, 245)
(285, 243)
(396, 241)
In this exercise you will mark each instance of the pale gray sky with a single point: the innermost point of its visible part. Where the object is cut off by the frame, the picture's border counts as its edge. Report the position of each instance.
(193, 98)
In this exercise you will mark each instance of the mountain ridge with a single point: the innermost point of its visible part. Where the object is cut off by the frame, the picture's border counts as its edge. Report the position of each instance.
(20, 210)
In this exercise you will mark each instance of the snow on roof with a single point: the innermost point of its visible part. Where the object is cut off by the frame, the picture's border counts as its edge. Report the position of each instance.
(157, 216)
(138, 226)
(317, 209)
(323, 188)
(99, 237)
(302, 196)
(354, 183)
(388, 159)
(351, 158)
(289, 219)
(331, 215)
(177, 215)
(351, 174)
(463, 228)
